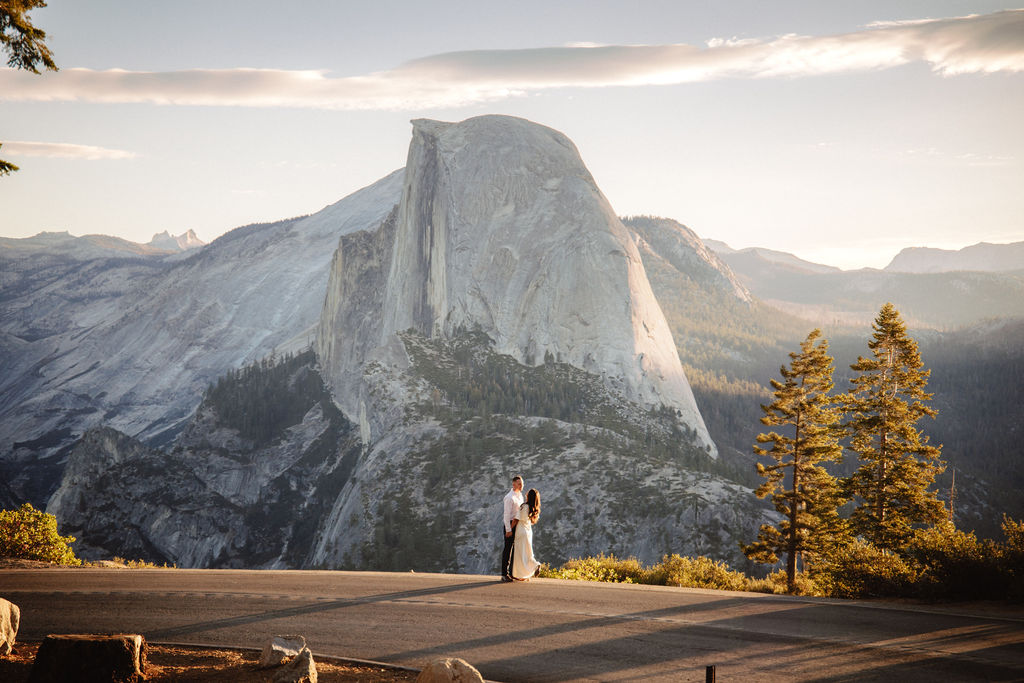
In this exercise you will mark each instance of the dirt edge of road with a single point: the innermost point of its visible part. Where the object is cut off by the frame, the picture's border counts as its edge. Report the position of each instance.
(176, 662)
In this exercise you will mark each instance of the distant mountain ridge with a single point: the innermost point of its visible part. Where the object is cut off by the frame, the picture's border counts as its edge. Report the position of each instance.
(940, 299)
(746, 258)
(984, 256)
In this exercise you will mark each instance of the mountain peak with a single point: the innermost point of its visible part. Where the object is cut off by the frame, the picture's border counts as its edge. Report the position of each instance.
(183, 242)
(983, 256)
(501, 228)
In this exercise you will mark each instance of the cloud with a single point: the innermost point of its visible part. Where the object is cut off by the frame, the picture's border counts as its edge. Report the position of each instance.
(973, 44)
(63, 150)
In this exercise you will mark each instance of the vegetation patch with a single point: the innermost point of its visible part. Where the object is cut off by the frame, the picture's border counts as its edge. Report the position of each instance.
(477, 392)
(29, 534)
(265, 398)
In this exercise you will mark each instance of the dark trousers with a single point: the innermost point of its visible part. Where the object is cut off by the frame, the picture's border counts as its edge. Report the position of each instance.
(506, 553)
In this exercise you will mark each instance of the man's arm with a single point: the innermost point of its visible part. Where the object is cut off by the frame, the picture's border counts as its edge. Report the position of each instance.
(510, 516)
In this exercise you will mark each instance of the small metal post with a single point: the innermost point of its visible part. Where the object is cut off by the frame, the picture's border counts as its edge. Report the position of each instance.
(709, 675)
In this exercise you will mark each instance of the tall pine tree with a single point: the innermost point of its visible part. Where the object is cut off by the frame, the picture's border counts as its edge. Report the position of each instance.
(896, 463)
(808, 501)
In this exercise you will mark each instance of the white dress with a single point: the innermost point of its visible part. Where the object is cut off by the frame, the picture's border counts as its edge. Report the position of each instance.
(523, 562)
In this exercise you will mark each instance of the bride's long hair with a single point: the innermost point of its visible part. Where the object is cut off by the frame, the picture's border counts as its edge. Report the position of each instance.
(533, 505)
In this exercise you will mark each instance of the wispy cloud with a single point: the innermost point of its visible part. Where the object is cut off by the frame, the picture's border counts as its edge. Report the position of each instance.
(63, 150)
(961, 45)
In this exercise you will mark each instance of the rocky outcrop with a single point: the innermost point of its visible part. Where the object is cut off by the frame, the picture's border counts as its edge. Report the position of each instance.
(429, 488)
(131, 340)
(224, 495)
(174, 243)
(501, 228)
(350, 330)
(686, 253)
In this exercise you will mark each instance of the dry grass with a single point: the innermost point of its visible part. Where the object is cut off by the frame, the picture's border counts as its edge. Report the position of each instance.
(179, 663)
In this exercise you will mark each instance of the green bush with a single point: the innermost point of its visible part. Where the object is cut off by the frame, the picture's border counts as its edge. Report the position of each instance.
(607, 568)
(674, 570)
(860, 570)
(700, 572)
(1012, 558)
(777, 583)
(954, 564)
(940, 563)
(28, 534)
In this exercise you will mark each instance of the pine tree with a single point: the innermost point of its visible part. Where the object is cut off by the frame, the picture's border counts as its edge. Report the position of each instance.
(896, 463)
(803, 405)
(24, 44)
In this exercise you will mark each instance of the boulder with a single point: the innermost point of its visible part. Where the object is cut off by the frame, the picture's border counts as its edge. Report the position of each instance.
(302, 669)
(279, 649)
(10, 615)
(449, 670)
(75, 658)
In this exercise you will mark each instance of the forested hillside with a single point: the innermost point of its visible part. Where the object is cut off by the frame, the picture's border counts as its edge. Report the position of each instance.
(731, 349)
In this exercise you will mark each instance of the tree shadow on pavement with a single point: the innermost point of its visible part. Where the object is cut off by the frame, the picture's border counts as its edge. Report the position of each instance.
(301, 610)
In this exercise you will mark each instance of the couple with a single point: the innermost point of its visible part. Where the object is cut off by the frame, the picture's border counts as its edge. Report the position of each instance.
(517, 561)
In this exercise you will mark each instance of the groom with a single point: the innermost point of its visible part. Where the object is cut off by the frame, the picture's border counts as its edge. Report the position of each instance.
(513, 499)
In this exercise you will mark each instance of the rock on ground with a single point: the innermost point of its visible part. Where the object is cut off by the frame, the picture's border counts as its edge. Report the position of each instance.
(302, 669)
(77, 658)
(280, 648)
(449, 670)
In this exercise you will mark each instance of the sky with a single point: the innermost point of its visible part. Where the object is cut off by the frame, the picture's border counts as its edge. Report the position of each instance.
(841, 132)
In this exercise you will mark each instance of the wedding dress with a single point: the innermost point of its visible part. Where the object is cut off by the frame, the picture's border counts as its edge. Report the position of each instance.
(523, 562)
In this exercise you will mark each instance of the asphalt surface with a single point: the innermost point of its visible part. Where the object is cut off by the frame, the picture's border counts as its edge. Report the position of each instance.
(544, 630)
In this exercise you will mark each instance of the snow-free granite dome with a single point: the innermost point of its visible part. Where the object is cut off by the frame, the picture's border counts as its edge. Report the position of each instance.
(501, 226)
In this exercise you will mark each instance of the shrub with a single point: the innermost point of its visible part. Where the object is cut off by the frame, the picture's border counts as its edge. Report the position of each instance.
(606, 568)
(859, 569)
(1012, 558)
(140, 564)
(955, 564)
(777, 583)
(700, 572)
(28, 534)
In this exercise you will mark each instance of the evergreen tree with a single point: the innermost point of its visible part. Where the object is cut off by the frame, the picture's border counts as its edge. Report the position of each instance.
(6, 167)
(24, 44)
(804, 407)
(896, 463)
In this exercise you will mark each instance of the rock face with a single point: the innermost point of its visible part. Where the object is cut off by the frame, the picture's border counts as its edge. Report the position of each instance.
(130, 340)
(231, 493)
(502, 229)
(183, 242)
(686, 253)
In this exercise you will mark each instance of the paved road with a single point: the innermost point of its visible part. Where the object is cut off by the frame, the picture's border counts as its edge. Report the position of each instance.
(545, 630)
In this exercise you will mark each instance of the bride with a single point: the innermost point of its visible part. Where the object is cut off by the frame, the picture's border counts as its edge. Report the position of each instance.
(524, 565)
